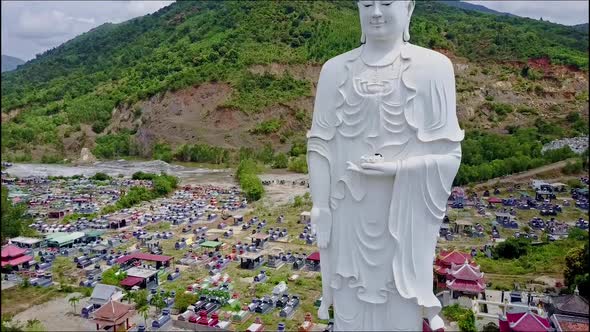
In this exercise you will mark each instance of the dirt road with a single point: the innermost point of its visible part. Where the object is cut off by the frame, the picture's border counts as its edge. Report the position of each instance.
(527, 175)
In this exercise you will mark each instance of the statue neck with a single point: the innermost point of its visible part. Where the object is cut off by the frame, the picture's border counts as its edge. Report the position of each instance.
(381, 52)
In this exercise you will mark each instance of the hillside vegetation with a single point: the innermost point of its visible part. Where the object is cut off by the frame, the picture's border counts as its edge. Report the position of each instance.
(123, 89)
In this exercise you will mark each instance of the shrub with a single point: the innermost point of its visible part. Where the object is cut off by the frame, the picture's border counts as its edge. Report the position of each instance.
(252, 186)
(281, 161)
(163, 152)
(464, 317)
(298, 164)
(499, 108)
(512, 248)
(573, 117)
(574, 183)
(249, 181)
(267, 127)
(143, 176)
(100, 176)
(573, 168)
(298, 147)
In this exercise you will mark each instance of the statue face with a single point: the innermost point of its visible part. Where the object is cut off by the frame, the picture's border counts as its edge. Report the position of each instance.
(385, 19)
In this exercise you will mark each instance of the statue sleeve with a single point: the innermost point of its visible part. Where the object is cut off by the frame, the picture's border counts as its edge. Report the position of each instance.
(324, 121)
(422, 186)
(421, 189)
(434, 109)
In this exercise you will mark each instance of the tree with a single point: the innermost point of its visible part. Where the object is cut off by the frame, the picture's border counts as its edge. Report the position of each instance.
(128, 294)
(13, 217)
(576, 270)
(61, 267)
(141, 298)
(158, 302)
(113, 276)
(182, 300)
(144, 311)
(73, 301)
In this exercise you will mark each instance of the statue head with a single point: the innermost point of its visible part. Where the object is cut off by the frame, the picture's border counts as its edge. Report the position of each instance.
(383, 20)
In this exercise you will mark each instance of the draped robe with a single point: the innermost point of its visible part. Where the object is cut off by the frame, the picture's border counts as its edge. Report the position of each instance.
(378, 263)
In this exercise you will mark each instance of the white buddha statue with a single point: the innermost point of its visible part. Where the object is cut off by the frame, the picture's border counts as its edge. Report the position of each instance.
(383, 150)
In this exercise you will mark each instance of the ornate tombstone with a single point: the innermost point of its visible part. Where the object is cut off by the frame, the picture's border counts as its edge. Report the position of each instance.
(383, 151)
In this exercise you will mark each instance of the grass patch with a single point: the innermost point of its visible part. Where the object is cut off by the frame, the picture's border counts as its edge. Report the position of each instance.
(18, 299)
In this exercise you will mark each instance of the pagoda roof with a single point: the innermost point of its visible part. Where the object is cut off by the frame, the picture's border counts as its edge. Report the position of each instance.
(465, 271)
(440, 270)
(12, 251)
(449, 257)
(527, 322)
(17, 261)
(112, 313)
(469, 286)
(571, 304)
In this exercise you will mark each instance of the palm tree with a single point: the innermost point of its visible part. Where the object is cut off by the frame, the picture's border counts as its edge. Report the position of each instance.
(144, 311)
(73, 301)
(159, 302)
(128, 295)
(32, 322)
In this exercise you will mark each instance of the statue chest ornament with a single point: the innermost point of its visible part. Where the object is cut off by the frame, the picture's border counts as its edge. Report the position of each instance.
(373, 106)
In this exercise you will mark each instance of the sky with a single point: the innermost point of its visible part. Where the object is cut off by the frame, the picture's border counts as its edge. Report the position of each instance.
(563, 12)
(32, 27)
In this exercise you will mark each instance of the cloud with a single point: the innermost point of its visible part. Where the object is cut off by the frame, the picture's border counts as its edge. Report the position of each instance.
(41, 25)
(139, 8)
(49, 24)
(30, 27)
(558, 11)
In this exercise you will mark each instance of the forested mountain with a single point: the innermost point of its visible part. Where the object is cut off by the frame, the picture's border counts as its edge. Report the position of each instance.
(10, 63)
(470, 6)
(582, 27)
(231, 74)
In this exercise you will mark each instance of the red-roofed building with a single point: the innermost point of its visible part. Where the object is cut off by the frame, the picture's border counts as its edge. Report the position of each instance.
(465, 279)
(313, 261)
(143, 278)
(564, 323)
(524, 322)
(14, 256)
(131, 281)
(494, 200)
(113, 314)
(160, 260)
(444, 262)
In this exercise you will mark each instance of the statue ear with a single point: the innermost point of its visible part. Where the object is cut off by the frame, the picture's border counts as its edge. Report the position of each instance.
(411, 6)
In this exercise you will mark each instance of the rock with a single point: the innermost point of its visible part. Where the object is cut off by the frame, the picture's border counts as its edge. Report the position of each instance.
(86, 157)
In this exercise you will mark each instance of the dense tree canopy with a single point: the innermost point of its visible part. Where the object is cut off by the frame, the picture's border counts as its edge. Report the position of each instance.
(14, 220)
(191, 42)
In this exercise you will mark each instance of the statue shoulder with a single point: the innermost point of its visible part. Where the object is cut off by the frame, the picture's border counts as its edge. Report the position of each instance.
(334, 68)
(433, 65)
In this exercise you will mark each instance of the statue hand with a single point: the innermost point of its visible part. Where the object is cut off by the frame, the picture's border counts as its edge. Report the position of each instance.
(355, 168)
(321, 218)
(382, 168)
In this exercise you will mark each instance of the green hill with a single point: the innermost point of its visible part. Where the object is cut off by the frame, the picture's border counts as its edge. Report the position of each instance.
(252, 66)
(10, 63)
